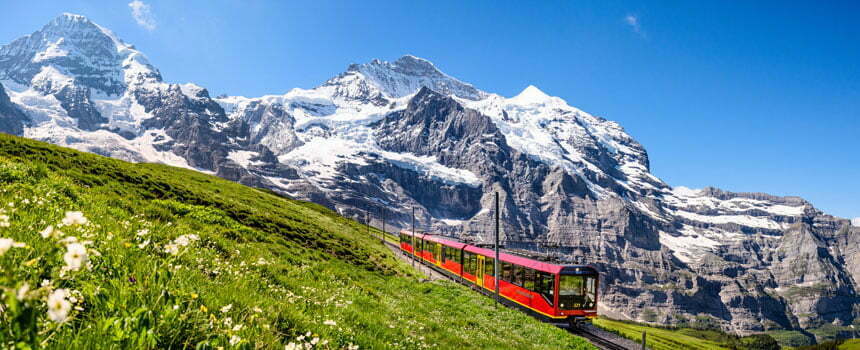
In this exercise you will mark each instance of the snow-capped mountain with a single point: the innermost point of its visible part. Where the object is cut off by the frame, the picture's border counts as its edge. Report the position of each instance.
(389, 136)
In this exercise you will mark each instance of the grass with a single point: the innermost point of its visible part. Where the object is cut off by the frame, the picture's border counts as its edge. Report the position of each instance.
(791, 338)
(659, 338)
(689, 338)
(851, 344)
(173, 258)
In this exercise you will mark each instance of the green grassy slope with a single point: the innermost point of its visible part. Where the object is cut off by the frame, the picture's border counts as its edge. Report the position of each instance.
(171, 258)
(689, 338)
(659, 338)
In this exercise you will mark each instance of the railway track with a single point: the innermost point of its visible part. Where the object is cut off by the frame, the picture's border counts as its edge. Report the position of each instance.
(594, 339)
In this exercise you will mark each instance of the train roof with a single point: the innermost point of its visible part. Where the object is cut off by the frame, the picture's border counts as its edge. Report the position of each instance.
(514, 259)
(533, 264)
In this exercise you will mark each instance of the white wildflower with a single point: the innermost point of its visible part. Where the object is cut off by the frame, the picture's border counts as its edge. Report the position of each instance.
(4, 220)
(171, 248)
(69, 240)
(180, 242)
(185, 240)
(226, 308)
(142, 232)
(8, 243)
(74, 218)
(75, 257)
(50, 232)
(234, 340)
(58, 306)
(330, 323)
(22, 292)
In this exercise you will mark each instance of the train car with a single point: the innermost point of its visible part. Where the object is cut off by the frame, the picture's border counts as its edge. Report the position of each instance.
(554, 293)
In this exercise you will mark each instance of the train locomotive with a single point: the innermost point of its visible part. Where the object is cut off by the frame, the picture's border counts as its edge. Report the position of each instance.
(550, 292)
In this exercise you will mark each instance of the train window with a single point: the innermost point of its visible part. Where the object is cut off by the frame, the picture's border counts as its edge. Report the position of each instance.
(473, 261)
(544, 283)
(529, 279)
(517, 277)
(590, 292)
(571, 292)
(488, 267)
(469, 263)
(506, 271)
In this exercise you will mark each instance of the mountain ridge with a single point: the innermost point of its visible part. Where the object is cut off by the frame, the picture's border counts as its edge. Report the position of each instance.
(387, 136)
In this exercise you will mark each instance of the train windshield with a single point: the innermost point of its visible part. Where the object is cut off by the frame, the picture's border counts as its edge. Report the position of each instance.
(577, 292)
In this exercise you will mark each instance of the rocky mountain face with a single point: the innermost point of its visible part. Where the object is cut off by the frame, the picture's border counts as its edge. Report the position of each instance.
(12, 120)
(386, 137)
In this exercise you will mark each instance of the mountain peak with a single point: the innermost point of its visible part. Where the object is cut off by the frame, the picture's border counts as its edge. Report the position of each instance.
(413, 65)
(66, 16)
(67, 23)
(531, 94)
(77, 48)
(405, 76)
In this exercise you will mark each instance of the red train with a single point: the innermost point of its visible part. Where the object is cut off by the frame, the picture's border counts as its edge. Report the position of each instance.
(554, 293)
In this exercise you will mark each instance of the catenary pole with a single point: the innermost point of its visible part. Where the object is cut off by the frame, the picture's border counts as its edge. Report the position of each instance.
(382, 235)
(496, 261)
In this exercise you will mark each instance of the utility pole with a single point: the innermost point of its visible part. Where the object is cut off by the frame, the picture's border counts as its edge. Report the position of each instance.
(413, 236)
(367, 221)
(644, 334)
(496, 261)
(382, 235)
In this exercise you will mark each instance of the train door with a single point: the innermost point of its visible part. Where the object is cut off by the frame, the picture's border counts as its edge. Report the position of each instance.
(479, 272)
(438, 254)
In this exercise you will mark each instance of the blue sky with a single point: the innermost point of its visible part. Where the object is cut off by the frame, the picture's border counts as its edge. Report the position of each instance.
(746, 96)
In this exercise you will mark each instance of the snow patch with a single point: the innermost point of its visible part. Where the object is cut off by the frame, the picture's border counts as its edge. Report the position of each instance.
(682, 191)
(428, 165)
(452, 222)
(190, 89)
(50, 79)
(530, 95)
(243, 158)
(689, 246)
(53, 50)
(745, 220)
(41, 108)
(123, 113)
(855, 222)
